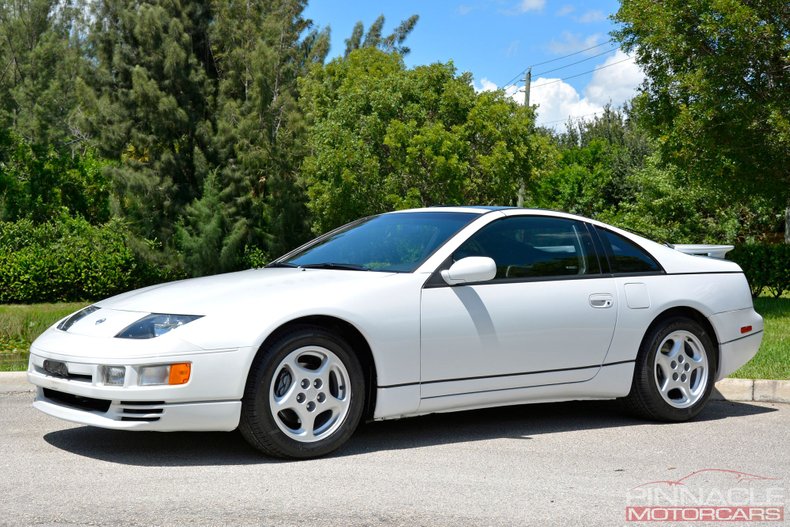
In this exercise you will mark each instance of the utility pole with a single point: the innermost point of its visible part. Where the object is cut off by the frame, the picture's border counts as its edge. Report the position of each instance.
(522, 187)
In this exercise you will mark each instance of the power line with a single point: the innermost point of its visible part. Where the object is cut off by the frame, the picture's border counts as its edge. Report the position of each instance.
(582, 73)
(574, 63)
(522, 72)
(574, 53)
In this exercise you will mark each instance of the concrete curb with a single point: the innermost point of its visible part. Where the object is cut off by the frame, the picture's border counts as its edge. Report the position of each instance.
(763, 391)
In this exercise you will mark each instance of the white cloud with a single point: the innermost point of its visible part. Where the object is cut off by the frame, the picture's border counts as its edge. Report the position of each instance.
(572, 42)
(465, 9)
(617, 83)
(558, 101)
(485, 85)
(566, 10)
(591, 16)
(531, 5)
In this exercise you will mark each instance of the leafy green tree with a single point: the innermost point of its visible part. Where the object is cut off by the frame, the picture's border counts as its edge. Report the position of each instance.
(597, 156)
(669, 204)
(39, 183)
(374, 39)
(384, 137)
(717, 89)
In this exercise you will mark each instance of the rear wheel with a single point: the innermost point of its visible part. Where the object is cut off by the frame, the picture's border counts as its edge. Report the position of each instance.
(304, 396)
(674, 372)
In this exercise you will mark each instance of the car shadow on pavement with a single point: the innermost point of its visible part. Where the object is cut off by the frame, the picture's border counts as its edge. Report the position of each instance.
(229, 448)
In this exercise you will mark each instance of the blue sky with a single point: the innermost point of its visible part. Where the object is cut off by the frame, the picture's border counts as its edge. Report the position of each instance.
(496, 40)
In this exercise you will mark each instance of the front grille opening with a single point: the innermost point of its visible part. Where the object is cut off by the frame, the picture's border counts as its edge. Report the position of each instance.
(77, 401)
(145, 419)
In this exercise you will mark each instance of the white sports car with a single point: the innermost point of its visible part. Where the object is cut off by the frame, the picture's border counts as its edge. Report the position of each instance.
(402, 314)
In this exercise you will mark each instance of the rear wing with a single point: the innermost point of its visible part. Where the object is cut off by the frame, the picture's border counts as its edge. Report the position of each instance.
(712, 251)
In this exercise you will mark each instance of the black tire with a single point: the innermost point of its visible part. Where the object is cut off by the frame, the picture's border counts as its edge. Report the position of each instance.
(287, 372)
(676, 390)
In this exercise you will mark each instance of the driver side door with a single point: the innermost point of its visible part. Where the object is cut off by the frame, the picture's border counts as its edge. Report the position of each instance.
(546, 318)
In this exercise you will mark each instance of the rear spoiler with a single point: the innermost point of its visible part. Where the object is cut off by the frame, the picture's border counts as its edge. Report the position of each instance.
(712, 251)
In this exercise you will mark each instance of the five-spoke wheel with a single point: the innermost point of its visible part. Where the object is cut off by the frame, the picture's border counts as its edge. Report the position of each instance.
(674, 371)
(681, 372)
(304, 395)
(310, 396)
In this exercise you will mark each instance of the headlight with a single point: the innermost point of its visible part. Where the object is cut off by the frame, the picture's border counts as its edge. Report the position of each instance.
(155, 325)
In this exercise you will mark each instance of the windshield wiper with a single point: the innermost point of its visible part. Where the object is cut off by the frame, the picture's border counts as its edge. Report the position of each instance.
(334, 265)
(280, 264)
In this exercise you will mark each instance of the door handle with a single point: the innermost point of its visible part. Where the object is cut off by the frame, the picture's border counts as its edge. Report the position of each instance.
(601, 300)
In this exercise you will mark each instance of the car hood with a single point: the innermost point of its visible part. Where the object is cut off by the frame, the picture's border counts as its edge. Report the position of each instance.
(233, 291)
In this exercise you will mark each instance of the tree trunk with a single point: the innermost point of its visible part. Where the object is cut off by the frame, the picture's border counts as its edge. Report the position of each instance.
(787, 224)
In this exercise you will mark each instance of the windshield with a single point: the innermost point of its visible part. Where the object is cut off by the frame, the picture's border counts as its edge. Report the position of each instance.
(390, 242)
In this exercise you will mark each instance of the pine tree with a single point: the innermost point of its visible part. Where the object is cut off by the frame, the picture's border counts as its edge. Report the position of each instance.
(150, 106)
(40, 58)
(373, 39)
(258, 57)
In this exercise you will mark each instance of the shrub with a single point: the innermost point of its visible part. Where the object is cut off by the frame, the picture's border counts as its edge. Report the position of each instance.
(765, 265)
(69, 260)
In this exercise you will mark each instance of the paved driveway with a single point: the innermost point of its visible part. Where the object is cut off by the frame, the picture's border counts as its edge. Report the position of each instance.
(570, 464)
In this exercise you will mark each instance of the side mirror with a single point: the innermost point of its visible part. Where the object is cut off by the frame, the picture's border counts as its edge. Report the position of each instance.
(471, 269)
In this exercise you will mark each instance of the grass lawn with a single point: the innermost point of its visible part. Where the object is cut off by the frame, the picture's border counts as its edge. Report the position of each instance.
(21, 324)
(773, 359)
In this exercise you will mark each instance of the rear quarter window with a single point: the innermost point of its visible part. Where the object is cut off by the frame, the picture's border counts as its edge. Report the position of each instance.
(625, 256)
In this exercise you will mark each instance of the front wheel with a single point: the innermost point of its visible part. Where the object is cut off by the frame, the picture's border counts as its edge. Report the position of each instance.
(304, 396)
(674, 371)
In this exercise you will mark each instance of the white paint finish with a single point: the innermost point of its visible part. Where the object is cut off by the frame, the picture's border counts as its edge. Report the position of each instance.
(471, 269)
(485, 331)
(712, 251)
(707, 294)
(611, 382)
(736, 353)
(636, 295)
(506, 382)
(728, 324)
(504, 328)
(192, 417)
(214, 376)
(396, 401)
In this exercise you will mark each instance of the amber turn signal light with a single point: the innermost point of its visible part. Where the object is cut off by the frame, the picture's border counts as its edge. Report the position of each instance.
(179, 373)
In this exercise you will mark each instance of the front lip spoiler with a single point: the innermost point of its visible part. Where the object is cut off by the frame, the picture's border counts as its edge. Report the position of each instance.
(204, 416)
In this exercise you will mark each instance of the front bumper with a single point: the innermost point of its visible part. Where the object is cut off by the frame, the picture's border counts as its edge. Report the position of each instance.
(209, 401)
(158, 416)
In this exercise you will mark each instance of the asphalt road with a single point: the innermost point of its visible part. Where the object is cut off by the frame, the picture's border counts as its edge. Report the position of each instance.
(560, 464)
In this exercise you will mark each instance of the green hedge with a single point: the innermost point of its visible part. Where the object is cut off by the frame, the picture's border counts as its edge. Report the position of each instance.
(69, 260)
(767, 266)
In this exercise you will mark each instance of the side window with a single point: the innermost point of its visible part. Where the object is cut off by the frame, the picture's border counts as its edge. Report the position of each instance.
(626, 256)
(534, 247)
